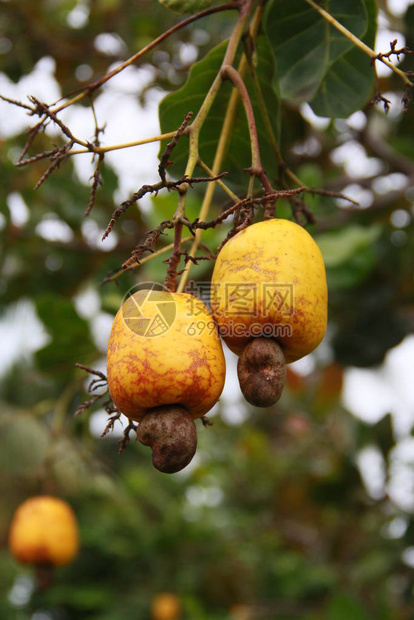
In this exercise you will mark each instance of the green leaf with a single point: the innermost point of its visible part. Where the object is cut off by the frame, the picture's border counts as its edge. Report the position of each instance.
(190, 97)
(186, 6)
(349, 255)
(339, 246)
(71, 339)
(305, 45)
(348, 84)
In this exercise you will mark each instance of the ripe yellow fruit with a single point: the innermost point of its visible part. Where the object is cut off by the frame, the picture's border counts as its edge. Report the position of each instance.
(44, 531)
(165, 606)
(269, 281)
(164, 349)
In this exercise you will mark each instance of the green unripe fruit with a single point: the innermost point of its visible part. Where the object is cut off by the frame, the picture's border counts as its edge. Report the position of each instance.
(186, 6)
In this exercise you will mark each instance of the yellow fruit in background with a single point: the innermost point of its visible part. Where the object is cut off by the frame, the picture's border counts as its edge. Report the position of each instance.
(240, 612)
(44, 531)
(271, 275)
(164, 349)
(165, 606)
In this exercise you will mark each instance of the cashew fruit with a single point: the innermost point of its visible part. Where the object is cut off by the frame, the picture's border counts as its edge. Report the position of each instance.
(44, 531)
(184, 365)
(165, 368)
(269, 283)
(278, 269)
(166, 606)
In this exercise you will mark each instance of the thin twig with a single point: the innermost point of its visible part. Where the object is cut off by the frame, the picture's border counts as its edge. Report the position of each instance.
(95, 384)
(91, 371)
(154, 189)
(165, 157)
(264, 200)
(87, 404)
(151, 237)
(59, 156)
(90, 88)
(114, 275)
(126, 439)
(111, 423)
(394, 52)
(97, 181)
(43, 109)
(18, 103)
(174, 260)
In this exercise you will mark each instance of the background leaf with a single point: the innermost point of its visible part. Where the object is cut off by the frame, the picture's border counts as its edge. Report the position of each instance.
(71, 338)
(305, 45)
(348, 84)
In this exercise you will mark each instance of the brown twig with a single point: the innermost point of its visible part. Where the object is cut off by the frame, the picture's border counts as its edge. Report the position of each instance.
(111, 423)
(165, 157)
(59, 155)
(33, 131)
(256, 169)
(96, 182)
(85, 91)
(266, 199)
(379, 98)
(41, 109)
(100, 382)
(91, 371)
(195, 259)
(174, 260)
(243, 220)
(87, 404)
(152, 237)
(126, 439)
(393, 52)
(18, 103)
(154, 189)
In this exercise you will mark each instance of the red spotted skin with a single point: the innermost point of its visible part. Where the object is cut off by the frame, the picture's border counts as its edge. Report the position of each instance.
(183, 366)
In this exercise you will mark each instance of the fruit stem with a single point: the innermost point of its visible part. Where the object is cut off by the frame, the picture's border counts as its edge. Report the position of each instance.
(173, 261)
(221, 147)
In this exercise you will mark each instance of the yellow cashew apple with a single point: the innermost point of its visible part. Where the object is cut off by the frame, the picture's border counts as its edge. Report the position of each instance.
(165, 368)
(44, 531)
(165, 606)
(269, 298)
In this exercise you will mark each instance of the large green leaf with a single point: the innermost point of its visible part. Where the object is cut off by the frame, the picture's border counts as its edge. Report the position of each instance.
(71, 339)
(305, 45)
(348, 84)
(349, 254)
(190, 97)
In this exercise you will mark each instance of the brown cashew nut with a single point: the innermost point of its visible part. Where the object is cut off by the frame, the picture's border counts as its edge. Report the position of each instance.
(171, 434)
(262, 372)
